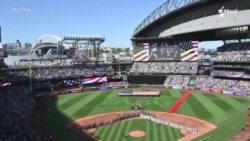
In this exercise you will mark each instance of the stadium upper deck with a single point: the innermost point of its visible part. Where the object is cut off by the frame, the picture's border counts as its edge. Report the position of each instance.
(195, 20)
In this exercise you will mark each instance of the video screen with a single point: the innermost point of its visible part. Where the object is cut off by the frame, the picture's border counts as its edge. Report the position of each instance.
(166, 51)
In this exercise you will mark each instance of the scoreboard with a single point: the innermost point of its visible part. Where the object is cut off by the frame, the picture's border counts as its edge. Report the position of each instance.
(166, 51)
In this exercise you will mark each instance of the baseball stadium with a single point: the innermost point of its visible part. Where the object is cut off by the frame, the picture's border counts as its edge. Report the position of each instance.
(62, 90)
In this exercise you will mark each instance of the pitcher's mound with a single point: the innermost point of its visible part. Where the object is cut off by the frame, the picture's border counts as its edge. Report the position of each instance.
(136, 133)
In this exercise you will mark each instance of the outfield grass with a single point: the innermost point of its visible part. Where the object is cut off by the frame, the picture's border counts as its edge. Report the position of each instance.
(61, 110)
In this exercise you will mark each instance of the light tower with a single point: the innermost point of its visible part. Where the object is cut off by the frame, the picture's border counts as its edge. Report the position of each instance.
(1, 47)
(94, 42)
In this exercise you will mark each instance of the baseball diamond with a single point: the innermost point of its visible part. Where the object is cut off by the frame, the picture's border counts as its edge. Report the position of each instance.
(225, 114)
(182, 75)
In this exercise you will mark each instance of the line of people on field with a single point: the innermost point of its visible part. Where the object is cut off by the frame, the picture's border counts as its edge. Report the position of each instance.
(120, 117)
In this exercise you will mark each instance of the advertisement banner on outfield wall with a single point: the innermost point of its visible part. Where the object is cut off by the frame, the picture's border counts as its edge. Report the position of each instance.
(242, 94)
(177, 87)
(103, 88)
(216, 90)
(66, 92)
(205, 89)
(76, 90)
(54, 94)
(227, 92)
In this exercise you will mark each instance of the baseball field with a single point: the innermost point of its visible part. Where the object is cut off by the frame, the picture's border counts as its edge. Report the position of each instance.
(228, 114)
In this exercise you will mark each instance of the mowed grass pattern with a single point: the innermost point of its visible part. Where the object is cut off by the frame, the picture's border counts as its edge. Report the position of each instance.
(154, 131)
(61, 110)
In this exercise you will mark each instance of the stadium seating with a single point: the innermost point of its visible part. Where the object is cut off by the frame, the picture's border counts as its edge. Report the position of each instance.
(16, 109)
(234, 52)
(57, 73)
(165, 67)
(181, 80)
(209, 82)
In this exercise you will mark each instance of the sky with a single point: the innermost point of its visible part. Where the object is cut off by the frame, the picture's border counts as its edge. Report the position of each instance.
(26, 20)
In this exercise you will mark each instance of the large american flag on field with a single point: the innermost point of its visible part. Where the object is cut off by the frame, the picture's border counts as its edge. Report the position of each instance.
(189, 50)
(141, 52)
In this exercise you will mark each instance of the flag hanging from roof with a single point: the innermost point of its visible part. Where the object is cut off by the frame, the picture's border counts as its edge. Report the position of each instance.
(94, 80)
(189, 50)
(141, 52)
(235, 75)
(5, 84)
(146, 45)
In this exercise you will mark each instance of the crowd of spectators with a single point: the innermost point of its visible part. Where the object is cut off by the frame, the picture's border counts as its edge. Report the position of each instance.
(16, 109)
(40, 63)
(234, 52)
(234, 85)
(57, 73)
(165, 67)
(116, 84)
(207, 81)
(181, 80)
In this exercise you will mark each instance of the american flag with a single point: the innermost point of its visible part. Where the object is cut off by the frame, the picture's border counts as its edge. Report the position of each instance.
(146, 45)
(5, 84)
(94, 80)
(141, 52)
(58, 84)
(236, 75)
(72, 82)
(189, 50)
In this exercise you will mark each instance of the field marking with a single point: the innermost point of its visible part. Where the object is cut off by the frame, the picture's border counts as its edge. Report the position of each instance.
(212, 107)
(65, 99)
(119, 132)
(70, 111)
(148, 129)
